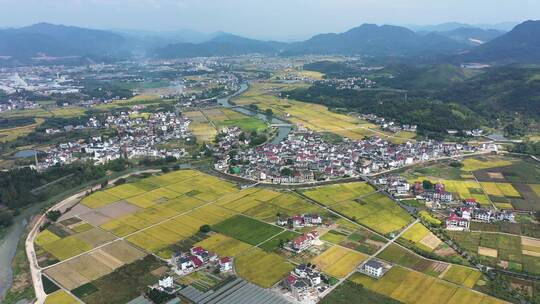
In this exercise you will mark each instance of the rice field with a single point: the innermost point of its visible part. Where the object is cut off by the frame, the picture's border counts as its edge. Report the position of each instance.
(223, 245)
(474, 164)
(375, 211)
(67, 247)
(262, 268)
(411, 287)
(462, 188)
(60, 297)
(10, 134)
(500, 189)
(333, 194)
(462, 275)
(421, 237)
(339, 261)
(247, 230)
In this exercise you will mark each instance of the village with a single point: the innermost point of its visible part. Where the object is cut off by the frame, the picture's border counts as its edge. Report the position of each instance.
(304, 156)
(138, 137)
(459, 212)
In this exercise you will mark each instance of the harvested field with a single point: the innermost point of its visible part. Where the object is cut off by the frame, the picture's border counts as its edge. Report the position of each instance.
(338, 261)
(95, 218)
(94, 265)
(490, 252)
(96, 237)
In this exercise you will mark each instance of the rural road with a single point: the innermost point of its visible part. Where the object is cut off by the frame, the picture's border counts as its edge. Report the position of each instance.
(35, 269)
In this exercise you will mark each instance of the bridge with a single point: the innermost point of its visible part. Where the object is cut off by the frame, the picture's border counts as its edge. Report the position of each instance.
(281, 125)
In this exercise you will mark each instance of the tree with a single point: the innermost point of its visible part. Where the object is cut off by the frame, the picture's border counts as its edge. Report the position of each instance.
(428, 185)
(268, 112)
(6, 218)
(120, 181)
(53, 215)
(286, 171)
(205, 228)
(104, 184)
(165, 169)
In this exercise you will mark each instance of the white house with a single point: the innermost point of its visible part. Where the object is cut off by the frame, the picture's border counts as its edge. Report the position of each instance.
(225, 264)
(374, 268)
(166, 282)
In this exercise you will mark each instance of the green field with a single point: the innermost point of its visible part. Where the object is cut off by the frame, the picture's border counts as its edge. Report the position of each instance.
(246, 229)
(498, 250)
(274, 243)
(349, 292)
(124, 284)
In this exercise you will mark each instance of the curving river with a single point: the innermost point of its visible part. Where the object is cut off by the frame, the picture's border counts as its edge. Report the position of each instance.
(8, 246)
(283, 131)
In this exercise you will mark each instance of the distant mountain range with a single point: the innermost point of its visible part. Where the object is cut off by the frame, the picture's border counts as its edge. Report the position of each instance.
(520, 45)
(461, 41)
(59, 41)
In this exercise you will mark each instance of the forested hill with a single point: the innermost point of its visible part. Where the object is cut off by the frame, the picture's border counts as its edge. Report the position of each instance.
(440, 97)
(432, 117)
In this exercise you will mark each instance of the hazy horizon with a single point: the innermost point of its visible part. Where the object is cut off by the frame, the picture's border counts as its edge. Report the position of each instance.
(285, 20)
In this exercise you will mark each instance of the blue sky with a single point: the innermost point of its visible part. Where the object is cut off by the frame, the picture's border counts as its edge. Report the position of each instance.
(261, 18)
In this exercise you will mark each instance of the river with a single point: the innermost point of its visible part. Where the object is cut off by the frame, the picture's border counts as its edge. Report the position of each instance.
(8, 246)
(283, 131)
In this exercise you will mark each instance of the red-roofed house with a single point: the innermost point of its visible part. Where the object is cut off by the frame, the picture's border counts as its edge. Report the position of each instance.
(225, 264)
(457, 223)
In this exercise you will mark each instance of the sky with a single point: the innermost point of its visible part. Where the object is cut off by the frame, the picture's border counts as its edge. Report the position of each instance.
(269, 19)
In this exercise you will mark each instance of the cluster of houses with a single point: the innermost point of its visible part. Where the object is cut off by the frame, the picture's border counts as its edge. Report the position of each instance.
(436, 196)
(460, 218)
(303, 242)
(300, 221)
(138, 136)
(305, 157)
(388, 125)
(350, 83)
(304, 283)
(198, 257)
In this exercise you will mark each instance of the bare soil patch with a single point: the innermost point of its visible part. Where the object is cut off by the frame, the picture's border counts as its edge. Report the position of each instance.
(490, 252)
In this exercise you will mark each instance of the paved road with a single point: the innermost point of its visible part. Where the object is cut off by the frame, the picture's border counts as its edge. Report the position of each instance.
(35, 269)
